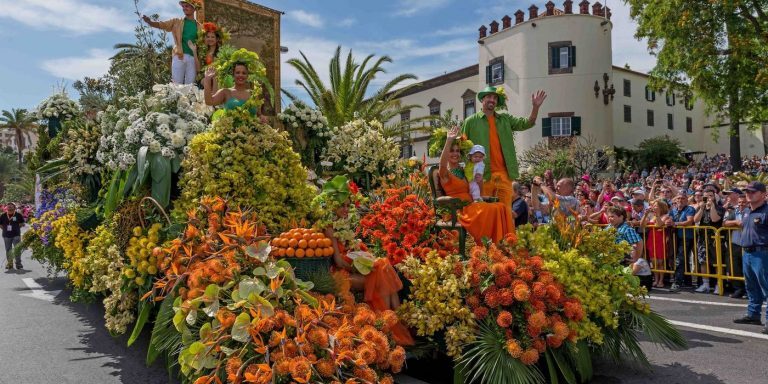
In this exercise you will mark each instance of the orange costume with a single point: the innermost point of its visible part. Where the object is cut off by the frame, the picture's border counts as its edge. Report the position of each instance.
(491, 220)
(382, 281)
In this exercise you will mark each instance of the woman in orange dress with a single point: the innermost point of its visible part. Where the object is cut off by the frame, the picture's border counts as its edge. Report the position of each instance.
(480, 219)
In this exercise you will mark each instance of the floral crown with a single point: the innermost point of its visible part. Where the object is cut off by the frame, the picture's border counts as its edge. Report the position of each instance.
(225, 62)
(437, 143)
(195, 3)
(220, 32)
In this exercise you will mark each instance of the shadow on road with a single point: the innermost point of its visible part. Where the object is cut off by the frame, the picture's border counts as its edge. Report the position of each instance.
(610, 373)
(125, 363)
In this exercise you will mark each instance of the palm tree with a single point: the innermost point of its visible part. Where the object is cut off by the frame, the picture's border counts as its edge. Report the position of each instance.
(22, 122)
(348, 90)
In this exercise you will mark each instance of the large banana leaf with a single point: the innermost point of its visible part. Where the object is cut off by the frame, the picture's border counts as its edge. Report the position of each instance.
(160, 170)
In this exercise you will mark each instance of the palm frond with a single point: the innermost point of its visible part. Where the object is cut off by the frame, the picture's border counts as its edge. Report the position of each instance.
(658, 329)
(487, 361)
(165, 340)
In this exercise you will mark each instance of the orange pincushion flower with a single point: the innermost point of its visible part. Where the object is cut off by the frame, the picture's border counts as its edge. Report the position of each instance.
(506, 297)
(573, 310)
(539, 289)
(553, 292)
(532, 331)
(491, 297)
(363, 317)
(525, 274)
(473, 301)
(397, 359)
(510, 266)
(504, 319)
(233, 366)
(540, 345)
(290, 348)
(521, 292)
(390, 319)
(546, 277)
(387, 380)
(538, 319)
(283, 367)
(367, 353)
(503, 279)
(319, 337)
(367, 374)
(514, 349)
(536, 263)
(561, 330)
(554, 341)
(530, 356)
(225, 317)
(480, 313)
(301, 370)
(325, 368)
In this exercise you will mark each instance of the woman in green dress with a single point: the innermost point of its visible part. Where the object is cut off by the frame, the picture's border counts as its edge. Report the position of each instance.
(230, 98)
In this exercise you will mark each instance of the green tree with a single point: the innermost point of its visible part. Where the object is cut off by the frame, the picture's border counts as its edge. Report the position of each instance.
(22, 123)
(348, 91)
(658, 151)
(716, 50)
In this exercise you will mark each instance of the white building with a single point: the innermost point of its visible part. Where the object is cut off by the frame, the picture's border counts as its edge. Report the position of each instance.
(8, 140)
(568, 54)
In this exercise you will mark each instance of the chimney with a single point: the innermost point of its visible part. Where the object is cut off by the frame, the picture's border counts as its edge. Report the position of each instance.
(483, 31)
(584, 7)
(568, 7)
(506, 22)
(494, 26)
(550, 8)
(533, 12)
(597, 9)
(519, 16)
(608, 13)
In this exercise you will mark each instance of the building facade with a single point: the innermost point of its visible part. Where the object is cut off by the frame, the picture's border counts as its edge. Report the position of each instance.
(568, 53)
(8, 140)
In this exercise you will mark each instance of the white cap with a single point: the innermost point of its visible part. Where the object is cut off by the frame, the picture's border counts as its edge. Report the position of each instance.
(477, 148)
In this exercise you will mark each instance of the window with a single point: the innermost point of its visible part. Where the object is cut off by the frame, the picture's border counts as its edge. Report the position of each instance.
(434, 110)
(627, 88)
(406, 151)
(562, 57)
(494, 72)
(627, 114)
(670, 98)
(469, 107)
(650, 95)
(650, 118)
(561, 124)
(689, 103)
(670, 122)
(688, 124)
(405, 116)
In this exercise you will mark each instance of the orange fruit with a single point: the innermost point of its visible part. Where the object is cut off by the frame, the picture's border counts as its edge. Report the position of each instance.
(292, 243)
(281, 252)
(300, 252)
(310, 253)
(302, 243)
(290, 252)
(328, 251)
(327, 242)
(312, 243)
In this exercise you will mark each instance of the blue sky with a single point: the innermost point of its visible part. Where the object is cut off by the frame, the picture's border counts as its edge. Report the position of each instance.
(50, 43)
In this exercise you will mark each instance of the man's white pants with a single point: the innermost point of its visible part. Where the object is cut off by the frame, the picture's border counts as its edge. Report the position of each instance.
(183, 71)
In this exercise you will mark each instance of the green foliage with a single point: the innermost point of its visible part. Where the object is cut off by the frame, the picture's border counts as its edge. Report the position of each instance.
(658, 151)
(566, 157)
(727, 66)
(486, 360)
(348, 97)
(22, 123)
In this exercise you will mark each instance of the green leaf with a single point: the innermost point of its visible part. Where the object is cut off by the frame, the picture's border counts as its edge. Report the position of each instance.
(205, 331)
(142, 170)
(240, 328)
(211, 299)
(251, 286)
(175, 164)
(164, 337)
(160, 169)
(128, 186)
(259, 251)
(141, 320)
(111, 200)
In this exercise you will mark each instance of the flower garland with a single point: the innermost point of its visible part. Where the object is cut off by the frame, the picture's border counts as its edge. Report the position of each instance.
(58, 106)
(437, 143)
(79, 149)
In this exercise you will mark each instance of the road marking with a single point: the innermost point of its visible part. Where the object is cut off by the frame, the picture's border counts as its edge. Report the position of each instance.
(730, 331)
(698, 302)
(38, 292)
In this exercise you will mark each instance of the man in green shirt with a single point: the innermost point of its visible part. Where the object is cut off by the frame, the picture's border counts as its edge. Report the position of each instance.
(495, 132)
(184, 30)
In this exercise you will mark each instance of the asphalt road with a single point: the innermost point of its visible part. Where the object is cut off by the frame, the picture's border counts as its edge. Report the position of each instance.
(45, 338)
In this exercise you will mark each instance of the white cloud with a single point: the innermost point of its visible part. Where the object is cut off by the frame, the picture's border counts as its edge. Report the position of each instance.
(306, 18)
(75, 16)
(410, 8)
(75, 68)
(454, 31)
(348, 22)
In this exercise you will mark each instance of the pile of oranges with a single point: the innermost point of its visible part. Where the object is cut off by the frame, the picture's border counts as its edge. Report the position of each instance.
(302, 242)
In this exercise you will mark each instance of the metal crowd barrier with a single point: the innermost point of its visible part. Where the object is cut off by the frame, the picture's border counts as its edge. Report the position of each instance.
(706, 251)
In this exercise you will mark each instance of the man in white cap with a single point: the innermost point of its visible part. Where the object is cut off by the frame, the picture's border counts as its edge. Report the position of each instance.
(477, 164)
(184, 30)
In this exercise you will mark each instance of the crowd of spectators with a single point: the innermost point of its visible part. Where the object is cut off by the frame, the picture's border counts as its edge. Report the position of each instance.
(657, 211)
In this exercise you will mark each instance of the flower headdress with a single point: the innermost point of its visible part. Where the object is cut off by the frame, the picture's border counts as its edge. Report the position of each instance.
(437, 143)
(194, 3)
(337, 192)
(502, 104)
(220, 32)
(257, 73)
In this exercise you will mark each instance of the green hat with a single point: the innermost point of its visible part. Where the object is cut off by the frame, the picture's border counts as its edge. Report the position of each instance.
(489, 90)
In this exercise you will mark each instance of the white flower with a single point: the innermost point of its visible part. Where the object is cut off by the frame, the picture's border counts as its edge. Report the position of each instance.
(154, 146)
(167, 152)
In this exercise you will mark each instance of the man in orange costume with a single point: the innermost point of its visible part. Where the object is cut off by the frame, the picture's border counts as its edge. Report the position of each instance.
(494, 131)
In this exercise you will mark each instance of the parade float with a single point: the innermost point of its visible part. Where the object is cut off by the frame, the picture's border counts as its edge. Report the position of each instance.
(215, 235)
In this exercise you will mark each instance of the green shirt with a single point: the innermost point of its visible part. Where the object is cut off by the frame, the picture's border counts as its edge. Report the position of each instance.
(476, 129)
(189, 33)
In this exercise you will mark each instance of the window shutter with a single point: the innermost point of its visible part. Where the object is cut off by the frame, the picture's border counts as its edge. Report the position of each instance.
(487, 74)
(502, 72)
(575, 125)
(546, 127)
(572, 55)
(555, 52)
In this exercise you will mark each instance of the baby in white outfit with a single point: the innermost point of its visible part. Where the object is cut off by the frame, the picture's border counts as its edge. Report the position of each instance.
(476, 157)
